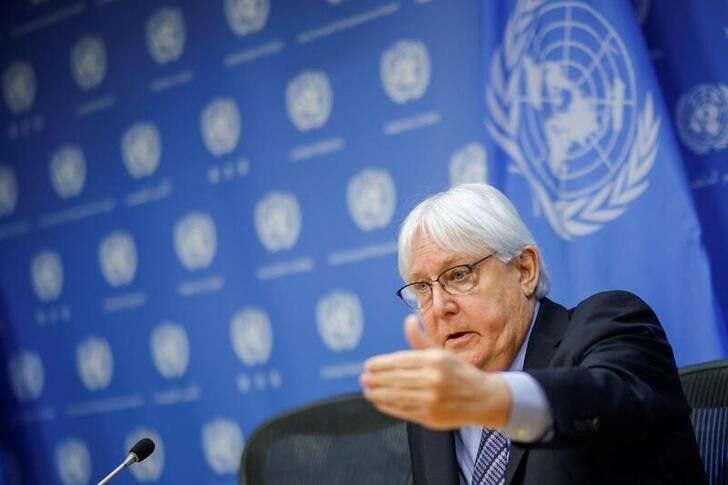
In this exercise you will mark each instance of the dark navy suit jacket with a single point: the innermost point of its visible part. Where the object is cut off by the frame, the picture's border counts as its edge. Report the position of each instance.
(620, 416)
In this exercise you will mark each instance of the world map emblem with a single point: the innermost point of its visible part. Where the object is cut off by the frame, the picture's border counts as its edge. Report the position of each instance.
(246, 16)
(195, 240)
(118, 258)
(149, 470)
(309, 99)
(166, 34)
(220, 125)
(251, 335)
(95, 363)
(25, 370)
(19, 86)
(468, 165)
(73, 462)
(170, 349)
(564, 107)
(222, 443)
(8, 190)
(701, 116)
(46, 274)
(340, 320)
(371, 198)
(68, 171)
(88, 61)
(405, 70)
(141, 149)
(278, 221)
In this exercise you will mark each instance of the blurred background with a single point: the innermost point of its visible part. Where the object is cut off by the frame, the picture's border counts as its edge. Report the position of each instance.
(199, 200)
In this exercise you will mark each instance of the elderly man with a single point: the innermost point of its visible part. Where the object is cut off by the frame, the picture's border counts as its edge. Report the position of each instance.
(506, 386)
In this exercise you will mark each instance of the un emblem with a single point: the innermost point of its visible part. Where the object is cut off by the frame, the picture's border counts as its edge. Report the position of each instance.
(309, 99)
(118, 258)
(246, 16)
(8, 190)
(371, 198)
(251, 335)
(195, 240)
(94, 363)
(340, 320)
(404, 69)
(702, 117)
(25, 371)
(170, 349)
(68, 171)
(46, 274)
(88, 61)
(564, 107)
(468, 165)
(278, 221)
(19, 87)
(73, 462)
(220, 125)
(150, 470)
(141, 149)
(222, 443)
(166, 34)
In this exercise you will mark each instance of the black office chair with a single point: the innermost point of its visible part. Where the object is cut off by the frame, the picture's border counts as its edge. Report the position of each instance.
(706, 387)
(343, 440)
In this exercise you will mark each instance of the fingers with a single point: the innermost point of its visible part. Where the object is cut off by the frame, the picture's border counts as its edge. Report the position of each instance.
(413, 332)
(405, 359)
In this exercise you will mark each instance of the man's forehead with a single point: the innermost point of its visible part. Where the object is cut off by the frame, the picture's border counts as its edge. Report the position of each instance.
(428, 258)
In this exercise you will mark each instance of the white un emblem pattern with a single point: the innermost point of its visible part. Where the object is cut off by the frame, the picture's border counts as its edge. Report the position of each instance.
(222, 443)
(371, 198)
(468, 165)
(340, 320)
(68, 171)
(246, 16)
(170, 349)
(166, 34)
(564, 107)
(88, 61)
(19, 87)
(195, 240)
(278, 221)
(309, 99)
(73, 462)
(251, 335)
(118, 258)
(220, 126)
(46, 274)
(25, 370)
(94, 363)
(405, 71)
(141, 149)
(701, 115)
(8, 190)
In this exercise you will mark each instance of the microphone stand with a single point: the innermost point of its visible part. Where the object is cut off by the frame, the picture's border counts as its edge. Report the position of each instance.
(130, 459)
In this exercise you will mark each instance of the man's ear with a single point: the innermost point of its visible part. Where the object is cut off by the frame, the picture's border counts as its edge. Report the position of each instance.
(529, 269)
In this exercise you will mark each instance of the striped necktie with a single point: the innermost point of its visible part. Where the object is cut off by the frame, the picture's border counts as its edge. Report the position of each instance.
(493, 452)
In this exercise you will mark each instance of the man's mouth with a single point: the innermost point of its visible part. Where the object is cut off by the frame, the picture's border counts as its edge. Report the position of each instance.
(457, 338)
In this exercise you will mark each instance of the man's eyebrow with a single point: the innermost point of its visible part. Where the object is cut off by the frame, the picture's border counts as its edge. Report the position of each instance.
(447, 264)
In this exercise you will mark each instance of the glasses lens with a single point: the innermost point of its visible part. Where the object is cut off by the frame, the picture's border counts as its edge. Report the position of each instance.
(417, 295)
(458, 280)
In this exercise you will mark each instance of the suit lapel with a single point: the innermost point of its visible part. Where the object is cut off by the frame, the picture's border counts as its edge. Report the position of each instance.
(438, 456)
(548, 328)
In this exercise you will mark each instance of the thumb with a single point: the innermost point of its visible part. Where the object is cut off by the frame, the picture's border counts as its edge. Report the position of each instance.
(412, 331)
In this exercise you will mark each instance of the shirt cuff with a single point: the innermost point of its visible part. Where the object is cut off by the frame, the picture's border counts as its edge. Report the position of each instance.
(530, 419)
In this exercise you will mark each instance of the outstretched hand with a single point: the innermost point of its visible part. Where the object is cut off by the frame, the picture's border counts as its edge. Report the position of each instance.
(433, 387)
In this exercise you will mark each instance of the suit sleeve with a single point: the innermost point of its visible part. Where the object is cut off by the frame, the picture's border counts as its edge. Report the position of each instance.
(613, 378)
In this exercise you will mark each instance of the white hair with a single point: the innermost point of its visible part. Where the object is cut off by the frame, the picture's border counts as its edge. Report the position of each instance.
(469, 219)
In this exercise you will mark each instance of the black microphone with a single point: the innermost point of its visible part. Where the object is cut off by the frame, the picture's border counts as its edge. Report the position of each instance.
(139, 452)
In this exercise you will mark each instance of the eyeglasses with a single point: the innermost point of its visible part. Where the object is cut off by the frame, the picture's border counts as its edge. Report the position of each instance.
(458, 280)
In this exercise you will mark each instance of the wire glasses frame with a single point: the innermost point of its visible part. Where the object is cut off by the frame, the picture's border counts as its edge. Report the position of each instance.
(458, 280)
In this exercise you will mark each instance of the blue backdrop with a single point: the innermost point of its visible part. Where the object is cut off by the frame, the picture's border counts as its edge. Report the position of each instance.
(199, 200)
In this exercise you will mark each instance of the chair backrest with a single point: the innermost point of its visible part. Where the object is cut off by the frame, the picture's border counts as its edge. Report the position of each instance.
(706, 388)
(341, 440)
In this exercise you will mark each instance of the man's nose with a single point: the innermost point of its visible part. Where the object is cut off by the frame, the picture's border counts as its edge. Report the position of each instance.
(442, 301)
